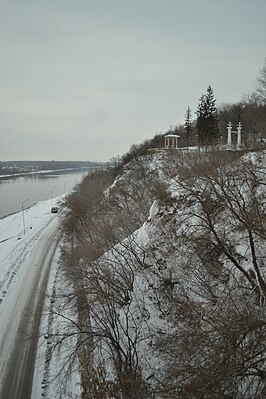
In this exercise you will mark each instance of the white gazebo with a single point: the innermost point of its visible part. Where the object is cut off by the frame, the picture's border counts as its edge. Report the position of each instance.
(171, 141)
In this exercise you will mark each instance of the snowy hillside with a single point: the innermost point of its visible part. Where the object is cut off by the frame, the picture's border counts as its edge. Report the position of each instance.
(167, 273)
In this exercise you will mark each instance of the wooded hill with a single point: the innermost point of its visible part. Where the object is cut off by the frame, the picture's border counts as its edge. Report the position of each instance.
(164, 264)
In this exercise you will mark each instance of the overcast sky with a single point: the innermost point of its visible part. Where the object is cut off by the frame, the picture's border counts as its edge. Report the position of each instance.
(85, 79)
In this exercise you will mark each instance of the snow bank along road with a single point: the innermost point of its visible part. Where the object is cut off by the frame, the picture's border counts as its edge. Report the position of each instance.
(25, 261)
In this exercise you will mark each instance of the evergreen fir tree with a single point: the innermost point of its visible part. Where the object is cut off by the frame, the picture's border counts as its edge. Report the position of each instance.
(188, 124)
(207, 119)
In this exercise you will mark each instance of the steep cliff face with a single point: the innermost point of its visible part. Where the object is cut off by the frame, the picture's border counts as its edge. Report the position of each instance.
(168, 265)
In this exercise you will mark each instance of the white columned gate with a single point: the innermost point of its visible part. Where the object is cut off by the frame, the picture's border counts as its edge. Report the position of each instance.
(230, 132)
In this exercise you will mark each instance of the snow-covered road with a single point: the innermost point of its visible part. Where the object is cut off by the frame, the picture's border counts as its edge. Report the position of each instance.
(25, 261)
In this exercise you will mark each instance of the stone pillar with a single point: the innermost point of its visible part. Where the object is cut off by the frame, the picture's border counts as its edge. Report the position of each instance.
(239, 128)
(229, 134)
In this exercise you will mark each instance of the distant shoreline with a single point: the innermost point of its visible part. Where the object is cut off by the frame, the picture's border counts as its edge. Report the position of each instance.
(9, 169)
(42, 172)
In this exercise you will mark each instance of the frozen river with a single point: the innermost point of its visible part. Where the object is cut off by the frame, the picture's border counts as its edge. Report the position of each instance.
(29, 189)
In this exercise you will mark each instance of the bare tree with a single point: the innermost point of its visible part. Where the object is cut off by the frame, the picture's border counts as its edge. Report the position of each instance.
(219, 306)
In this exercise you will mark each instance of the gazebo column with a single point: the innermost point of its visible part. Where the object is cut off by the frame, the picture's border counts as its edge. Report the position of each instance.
(239, 128)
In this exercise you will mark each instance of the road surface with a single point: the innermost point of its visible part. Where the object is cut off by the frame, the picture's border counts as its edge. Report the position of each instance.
(20, 313)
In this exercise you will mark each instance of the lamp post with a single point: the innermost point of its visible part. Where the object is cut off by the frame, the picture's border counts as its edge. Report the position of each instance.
(52, 195)
(23, 217)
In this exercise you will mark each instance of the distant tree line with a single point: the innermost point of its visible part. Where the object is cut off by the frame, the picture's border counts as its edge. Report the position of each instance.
(210, 126)
(12, 167)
